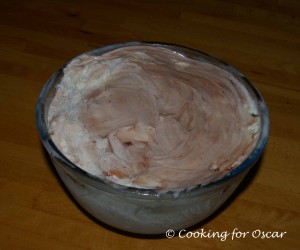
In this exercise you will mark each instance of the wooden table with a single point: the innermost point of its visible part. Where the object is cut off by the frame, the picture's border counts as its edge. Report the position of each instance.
(261, 38)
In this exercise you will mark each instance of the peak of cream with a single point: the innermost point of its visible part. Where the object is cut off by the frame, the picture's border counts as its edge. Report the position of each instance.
(148, 117)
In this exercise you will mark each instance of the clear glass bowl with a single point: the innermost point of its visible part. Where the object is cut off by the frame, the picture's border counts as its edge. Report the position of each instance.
(139, 210)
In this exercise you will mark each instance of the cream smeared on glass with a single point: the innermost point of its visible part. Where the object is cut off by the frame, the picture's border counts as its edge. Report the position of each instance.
(145, 116)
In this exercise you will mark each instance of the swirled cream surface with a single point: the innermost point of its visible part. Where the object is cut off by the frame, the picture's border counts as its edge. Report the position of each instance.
(145, 116)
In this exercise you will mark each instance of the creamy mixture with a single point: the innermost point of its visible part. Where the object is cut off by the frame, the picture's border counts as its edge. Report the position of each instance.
(145, 116)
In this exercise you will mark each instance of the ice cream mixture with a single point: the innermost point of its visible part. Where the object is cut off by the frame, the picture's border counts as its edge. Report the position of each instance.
(148, 117)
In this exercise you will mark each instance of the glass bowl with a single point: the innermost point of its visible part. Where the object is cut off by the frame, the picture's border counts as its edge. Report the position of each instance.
(140, 210)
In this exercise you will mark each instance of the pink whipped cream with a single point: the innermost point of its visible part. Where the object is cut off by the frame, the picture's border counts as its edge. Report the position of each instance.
(145, 116)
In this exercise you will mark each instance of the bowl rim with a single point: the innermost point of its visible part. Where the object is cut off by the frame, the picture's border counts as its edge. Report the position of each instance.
(41, 120)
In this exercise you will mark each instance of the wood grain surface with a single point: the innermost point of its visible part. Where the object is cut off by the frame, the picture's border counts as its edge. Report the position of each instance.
(261, 38)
